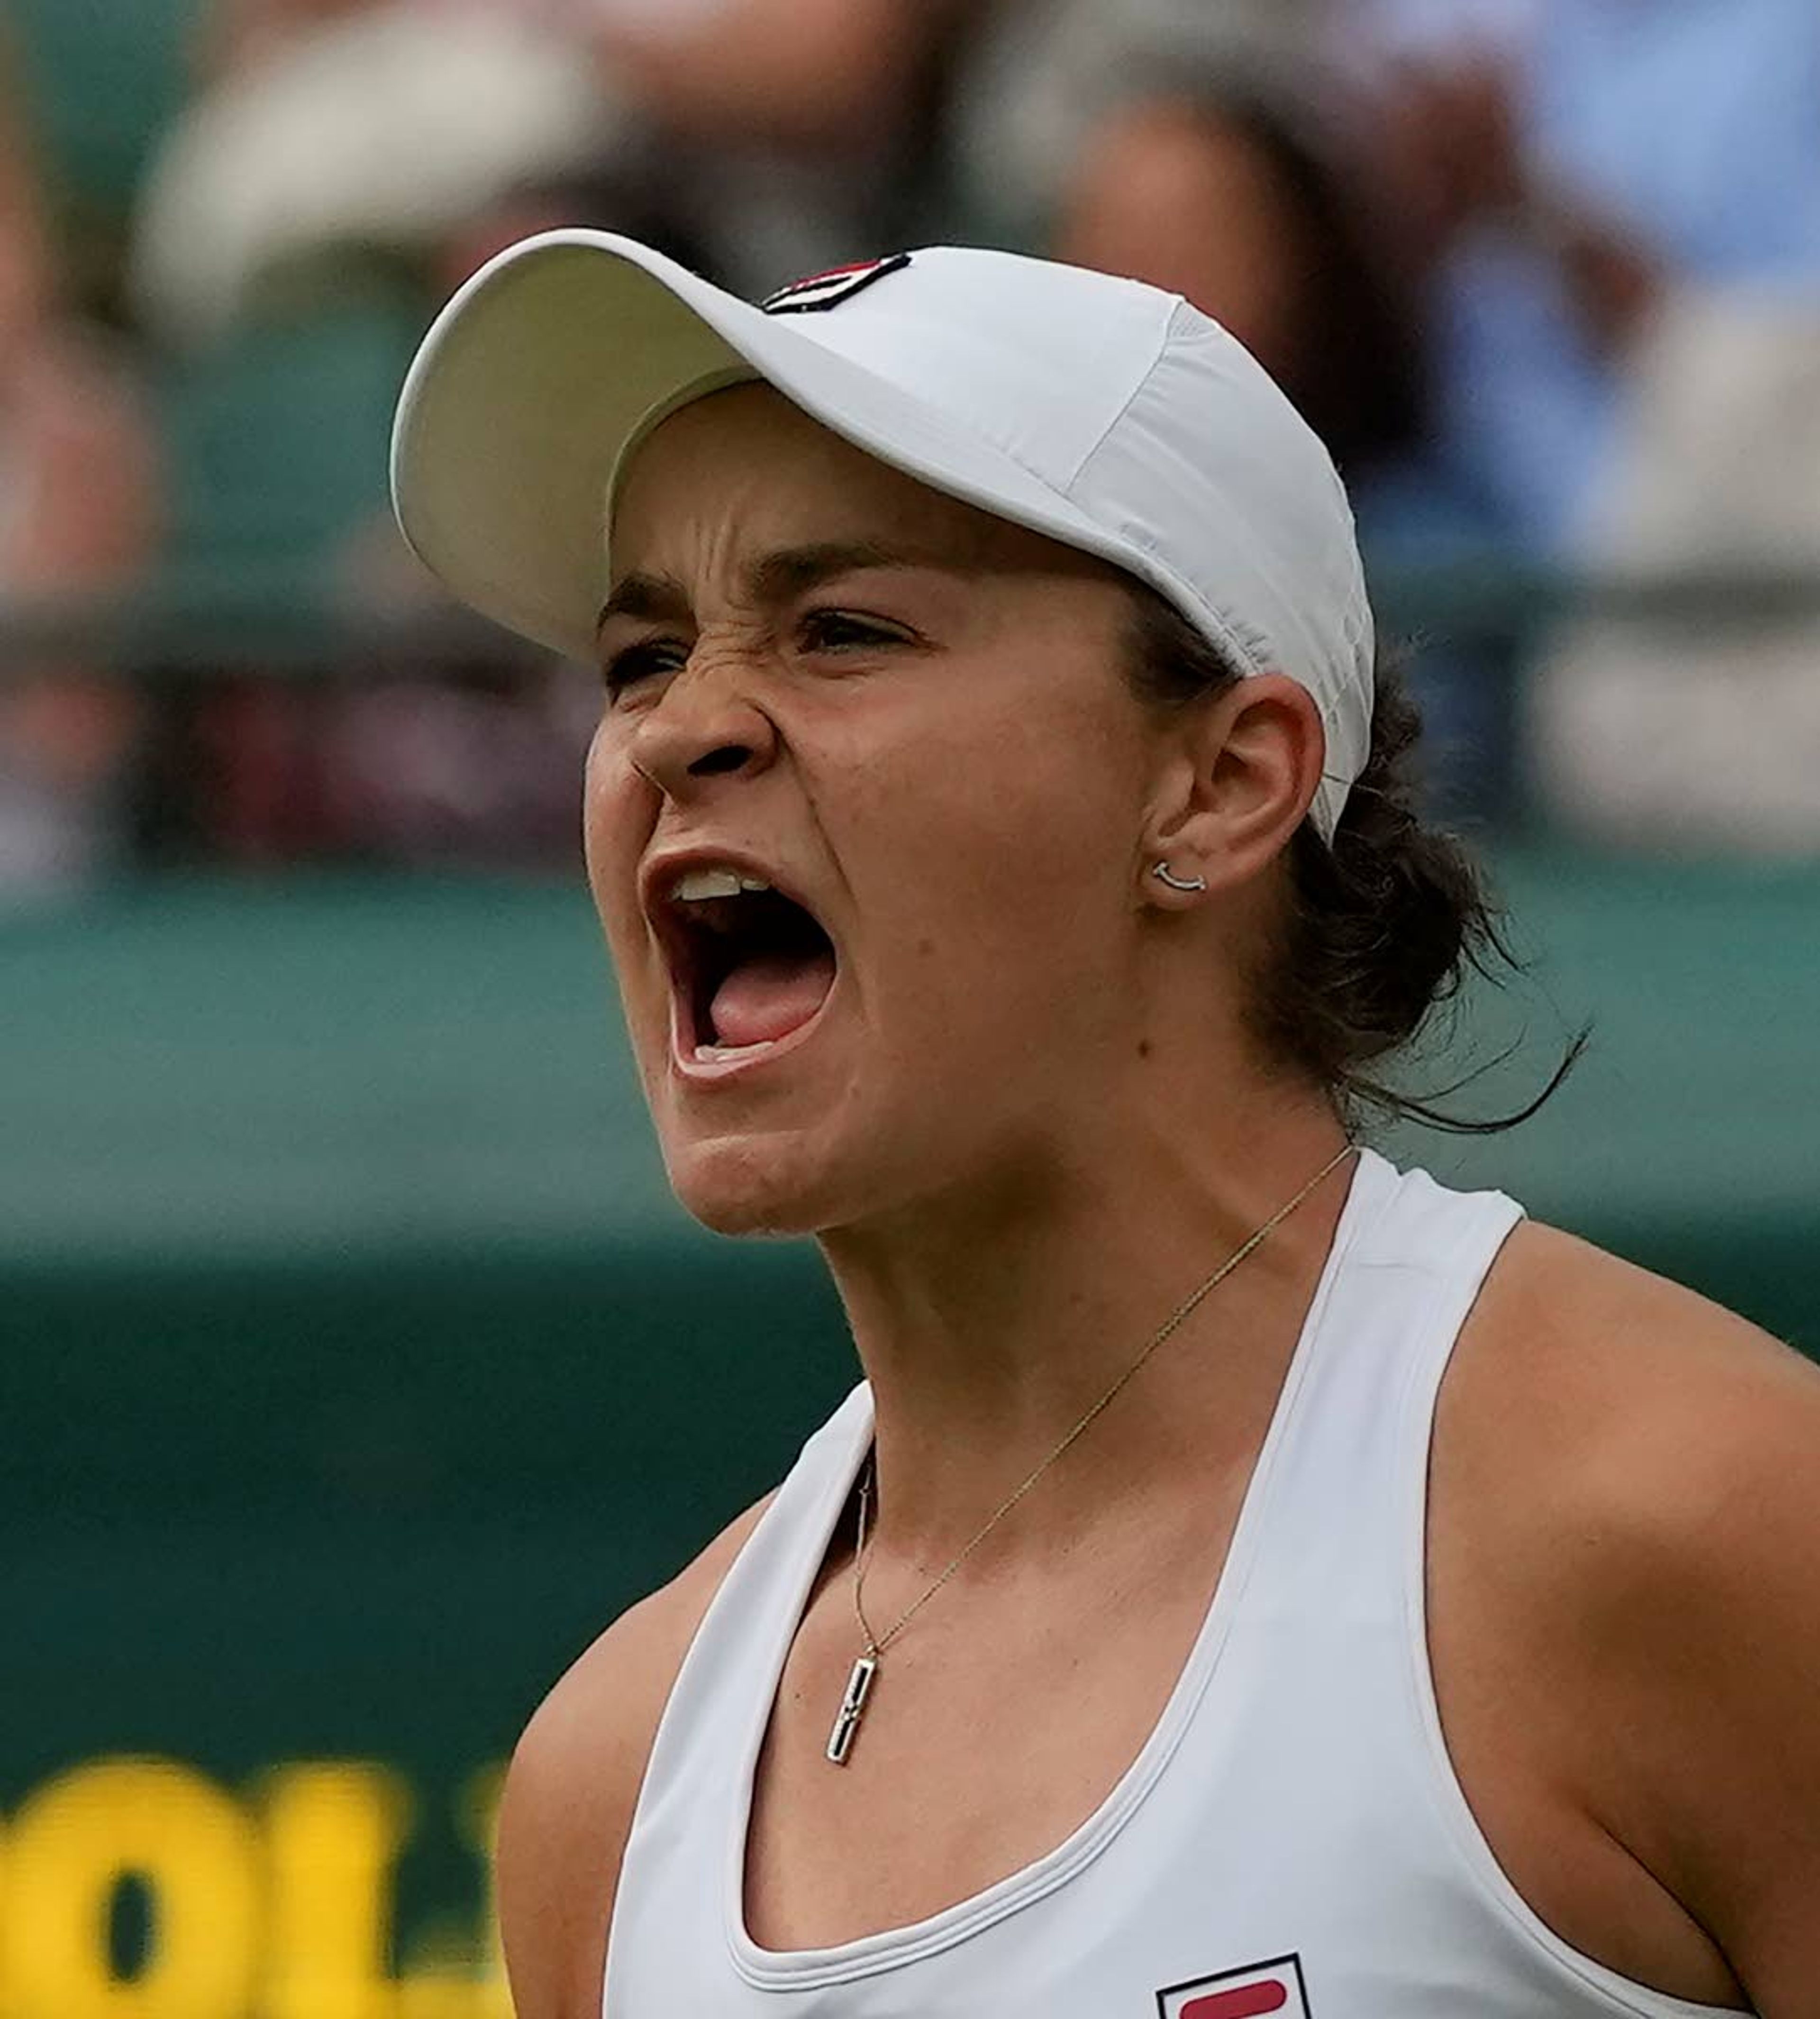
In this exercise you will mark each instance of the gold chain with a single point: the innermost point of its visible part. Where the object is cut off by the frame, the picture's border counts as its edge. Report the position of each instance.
(876, 1644)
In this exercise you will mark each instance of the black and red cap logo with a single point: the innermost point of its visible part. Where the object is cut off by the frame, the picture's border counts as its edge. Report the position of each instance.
(817, 291)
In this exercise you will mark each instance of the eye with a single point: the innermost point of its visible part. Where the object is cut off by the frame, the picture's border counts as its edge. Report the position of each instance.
(641, 660)
(840, 630)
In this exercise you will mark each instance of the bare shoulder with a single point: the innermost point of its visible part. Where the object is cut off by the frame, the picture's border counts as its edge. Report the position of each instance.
(1630, 1476)
(1618, 1432)
(1608, 1377)
(574, 1783)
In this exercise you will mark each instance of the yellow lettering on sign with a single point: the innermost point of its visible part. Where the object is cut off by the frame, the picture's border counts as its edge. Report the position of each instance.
(334, 1830)
(72, 1843)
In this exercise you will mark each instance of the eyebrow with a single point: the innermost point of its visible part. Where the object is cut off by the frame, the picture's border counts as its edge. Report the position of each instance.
(773, 577)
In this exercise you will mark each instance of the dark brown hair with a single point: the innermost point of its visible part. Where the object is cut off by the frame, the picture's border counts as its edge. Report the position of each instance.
(1380, 927)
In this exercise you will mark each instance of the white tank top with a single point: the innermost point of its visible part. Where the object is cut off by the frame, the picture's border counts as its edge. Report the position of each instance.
(1291, 1839)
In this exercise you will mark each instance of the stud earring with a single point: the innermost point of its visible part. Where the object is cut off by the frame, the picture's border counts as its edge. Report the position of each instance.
(1163, 874)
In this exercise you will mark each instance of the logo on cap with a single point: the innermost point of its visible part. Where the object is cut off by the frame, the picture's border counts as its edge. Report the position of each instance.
(1259, 1990)
(816, 291)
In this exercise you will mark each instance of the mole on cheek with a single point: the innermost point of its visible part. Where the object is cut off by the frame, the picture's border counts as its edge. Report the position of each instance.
(925, 947)
(1143, 1048)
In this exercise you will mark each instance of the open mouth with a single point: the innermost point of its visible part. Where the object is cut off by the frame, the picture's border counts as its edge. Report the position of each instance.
(751, 966)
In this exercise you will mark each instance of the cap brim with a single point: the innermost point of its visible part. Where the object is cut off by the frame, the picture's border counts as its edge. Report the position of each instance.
(554, 360)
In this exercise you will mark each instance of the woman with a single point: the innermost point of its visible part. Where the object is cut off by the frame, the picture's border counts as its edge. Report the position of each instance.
(1012, 885)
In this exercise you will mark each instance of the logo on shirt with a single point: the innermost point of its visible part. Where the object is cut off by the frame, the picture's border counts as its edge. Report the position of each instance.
(1260, 1989)
(829, 290)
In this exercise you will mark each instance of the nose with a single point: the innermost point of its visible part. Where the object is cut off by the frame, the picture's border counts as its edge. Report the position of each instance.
(705, 726)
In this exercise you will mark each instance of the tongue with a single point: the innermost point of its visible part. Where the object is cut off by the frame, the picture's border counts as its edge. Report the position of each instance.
(769, 996)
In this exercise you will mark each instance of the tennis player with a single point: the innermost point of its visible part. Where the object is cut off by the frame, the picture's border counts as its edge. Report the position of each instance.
(1252, 1579)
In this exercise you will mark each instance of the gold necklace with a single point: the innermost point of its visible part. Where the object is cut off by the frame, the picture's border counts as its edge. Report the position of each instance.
(865, 1670)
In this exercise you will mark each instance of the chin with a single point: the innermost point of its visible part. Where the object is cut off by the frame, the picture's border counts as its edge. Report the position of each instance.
(756, 1186)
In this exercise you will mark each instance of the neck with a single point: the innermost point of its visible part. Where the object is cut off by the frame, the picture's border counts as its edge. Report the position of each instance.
(989, 1322)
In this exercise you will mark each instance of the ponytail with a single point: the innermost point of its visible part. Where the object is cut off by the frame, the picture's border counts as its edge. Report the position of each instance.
(1381, 925)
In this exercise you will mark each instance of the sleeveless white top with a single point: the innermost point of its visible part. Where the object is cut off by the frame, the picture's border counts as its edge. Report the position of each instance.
(1291, 1839)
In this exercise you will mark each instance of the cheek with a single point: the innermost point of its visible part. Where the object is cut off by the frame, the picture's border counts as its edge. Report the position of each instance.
(1036, 802)
(1003, 866)
(613, 832)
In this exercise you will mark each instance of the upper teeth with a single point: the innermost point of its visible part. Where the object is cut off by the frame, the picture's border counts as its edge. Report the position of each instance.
(694, 884)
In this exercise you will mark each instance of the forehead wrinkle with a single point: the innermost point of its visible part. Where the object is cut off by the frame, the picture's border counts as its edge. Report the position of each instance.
(780, 576)
(654, 597)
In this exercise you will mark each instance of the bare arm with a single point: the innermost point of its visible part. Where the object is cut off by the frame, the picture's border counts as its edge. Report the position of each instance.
(573, 1785)
(1719, 1601)
(1625, 1621)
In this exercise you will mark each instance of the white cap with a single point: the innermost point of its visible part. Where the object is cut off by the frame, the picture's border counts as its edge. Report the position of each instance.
(1104, 413)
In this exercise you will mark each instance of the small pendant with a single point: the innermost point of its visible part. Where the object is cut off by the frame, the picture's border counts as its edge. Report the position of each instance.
(852, 1708)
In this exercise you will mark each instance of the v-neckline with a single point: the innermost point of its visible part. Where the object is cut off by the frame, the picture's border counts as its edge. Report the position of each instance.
(1373, 1181)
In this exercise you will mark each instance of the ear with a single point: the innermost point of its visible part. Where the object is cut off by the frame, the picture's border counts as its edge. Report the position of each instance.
(1252, 759)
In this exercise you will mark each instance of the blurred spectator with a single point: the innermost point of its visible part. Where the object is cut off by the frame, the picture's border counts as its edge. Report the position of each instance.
(78, 514)
(483, 769)
(1618, 206)
(332, 129)
(1206, 146)
(1559, 167)
(775, 129)
(792, 134)
(475, 763)
(812, 75)
(1508, 256)
(1699, 726)
(1196, 144)
(238, 37)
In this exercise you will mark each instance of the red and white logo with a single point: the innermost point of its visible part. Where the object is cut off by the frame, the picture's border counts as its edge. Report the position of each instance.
(1272, 1990)
(826, 291)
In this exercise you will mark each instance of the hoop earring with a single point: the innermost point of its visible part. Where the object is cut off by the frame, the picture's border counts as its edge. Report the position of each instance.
(1163, 874)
